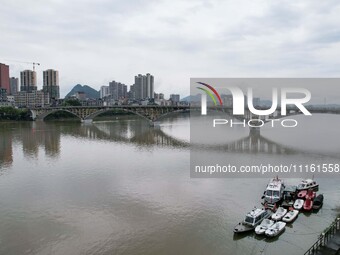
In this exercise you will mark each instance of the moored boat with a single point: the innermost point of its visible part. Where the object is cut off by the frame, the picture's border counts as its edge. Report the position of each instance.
(308, 204)
(308, 184)
(318, 202)
(274, 192)
(265, 224)
(280, 212)
(289, 195)
(310, 194)
(302, 194)
(290, 216)
(276, 229)
(298, 204)
(252, 219)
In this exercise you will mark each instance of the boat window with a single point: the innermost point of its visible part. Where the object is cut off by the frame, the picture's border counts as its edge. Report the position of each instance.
(269, 193)
(301, 186)
(276, 193)
(249, 219)
(258, 218)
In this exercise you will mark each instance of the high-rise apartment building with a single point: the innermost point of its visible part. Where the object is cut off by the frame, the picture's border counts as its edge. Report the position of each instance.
(32, 99)
(4, 77)
(104, 91)
(51, 83)
(28, 81)
(3, 95)
(14, 85)
(144, 86)
(117, 90)
(175, 98)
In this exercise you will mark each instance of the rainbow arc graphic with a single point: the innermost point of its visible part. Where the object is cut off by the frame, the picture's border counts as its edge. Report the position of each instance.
(211, 95)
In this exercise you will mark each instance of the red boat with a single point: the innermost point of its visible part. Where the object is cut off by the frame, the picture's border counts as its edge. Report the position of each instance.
(302, 194)
(310, 194)
(308, 205)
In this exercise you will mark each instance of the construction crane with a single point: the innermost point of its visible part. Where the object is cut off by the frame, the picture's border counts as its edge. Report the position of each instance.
(24, 62)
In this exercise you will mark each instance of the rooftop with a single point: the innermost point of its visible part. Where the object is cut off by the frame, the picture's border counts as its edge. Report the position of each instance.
(255, 212)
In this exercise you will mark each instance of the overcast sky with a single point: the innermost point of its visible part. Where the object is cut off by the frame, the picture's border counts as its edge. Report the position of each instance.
(94, 42)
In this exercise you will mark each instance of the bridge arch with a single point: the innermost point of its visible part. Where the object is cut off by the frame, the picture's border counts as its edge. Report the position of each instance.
(45, 114)
(163, 115)
(95, 114)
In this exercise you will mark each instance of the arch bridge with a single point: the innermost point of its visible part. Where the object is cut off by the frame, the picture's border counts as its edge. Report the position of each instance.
(151, 113)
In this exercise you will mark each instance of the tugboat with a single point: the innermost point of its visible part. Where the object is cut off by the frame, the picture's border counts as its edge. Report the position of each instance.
(308, 184)
(273, 193)
(252, 219)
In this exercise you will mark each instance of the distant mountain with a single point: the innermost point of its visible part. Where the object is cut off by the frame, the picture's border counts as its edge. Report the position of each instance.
(197, 98)
(188, 99)
(90, 92)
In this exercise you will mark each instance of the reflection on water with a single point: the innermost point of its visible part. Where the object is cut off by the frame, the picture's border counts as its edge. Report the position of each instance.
(47, 135)
(6, 154)
(121, 187)
(252, 143)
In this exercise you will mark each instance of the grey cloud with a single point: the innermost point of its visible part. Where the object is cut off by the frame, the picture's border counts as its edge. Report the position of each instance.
(93, 42)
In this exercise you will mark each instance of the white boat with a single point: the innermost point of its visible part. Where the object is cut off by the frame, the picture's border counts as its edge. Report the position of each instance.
(252, 219)
(298, 204)
(276, 229)
(265, 224)
(308, 184)
(274, 191)
(290, 216)
(280, 212)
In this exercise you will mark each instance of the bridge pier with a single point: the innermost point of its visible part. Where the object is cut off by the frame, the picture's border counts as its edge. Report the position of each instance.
(254, 130)
(87, 121)
(154, 124)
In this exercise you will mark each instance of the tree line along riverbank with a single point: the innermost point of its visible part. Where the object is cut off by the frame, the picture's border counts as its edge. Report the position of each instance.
(14, 114)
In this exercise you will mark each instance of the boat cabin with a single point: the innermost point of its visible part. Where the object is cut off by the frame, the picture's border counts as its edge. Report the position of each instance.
(289, 196)
(289, 193)
(274, 191)
(255, 216)
(307, 184)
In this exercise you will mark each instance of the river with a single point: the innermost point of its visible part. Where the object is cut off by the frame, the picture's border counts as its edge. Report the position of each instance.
(122, 187)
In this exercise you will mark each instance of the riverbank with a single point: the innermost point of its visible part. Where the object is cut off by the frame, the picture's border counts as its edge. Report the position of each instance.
(14, 114)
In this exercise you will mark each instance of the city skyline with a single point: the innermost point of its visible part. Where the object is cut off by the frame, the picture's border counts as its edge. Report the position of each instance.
(31, 78)
(143, 87)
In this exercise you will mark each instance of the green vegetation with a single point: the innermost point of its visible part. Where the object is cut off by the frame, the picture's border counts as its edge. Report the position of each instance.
(61, 116)
(114, 112)
(11, 113)
(71, 102)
